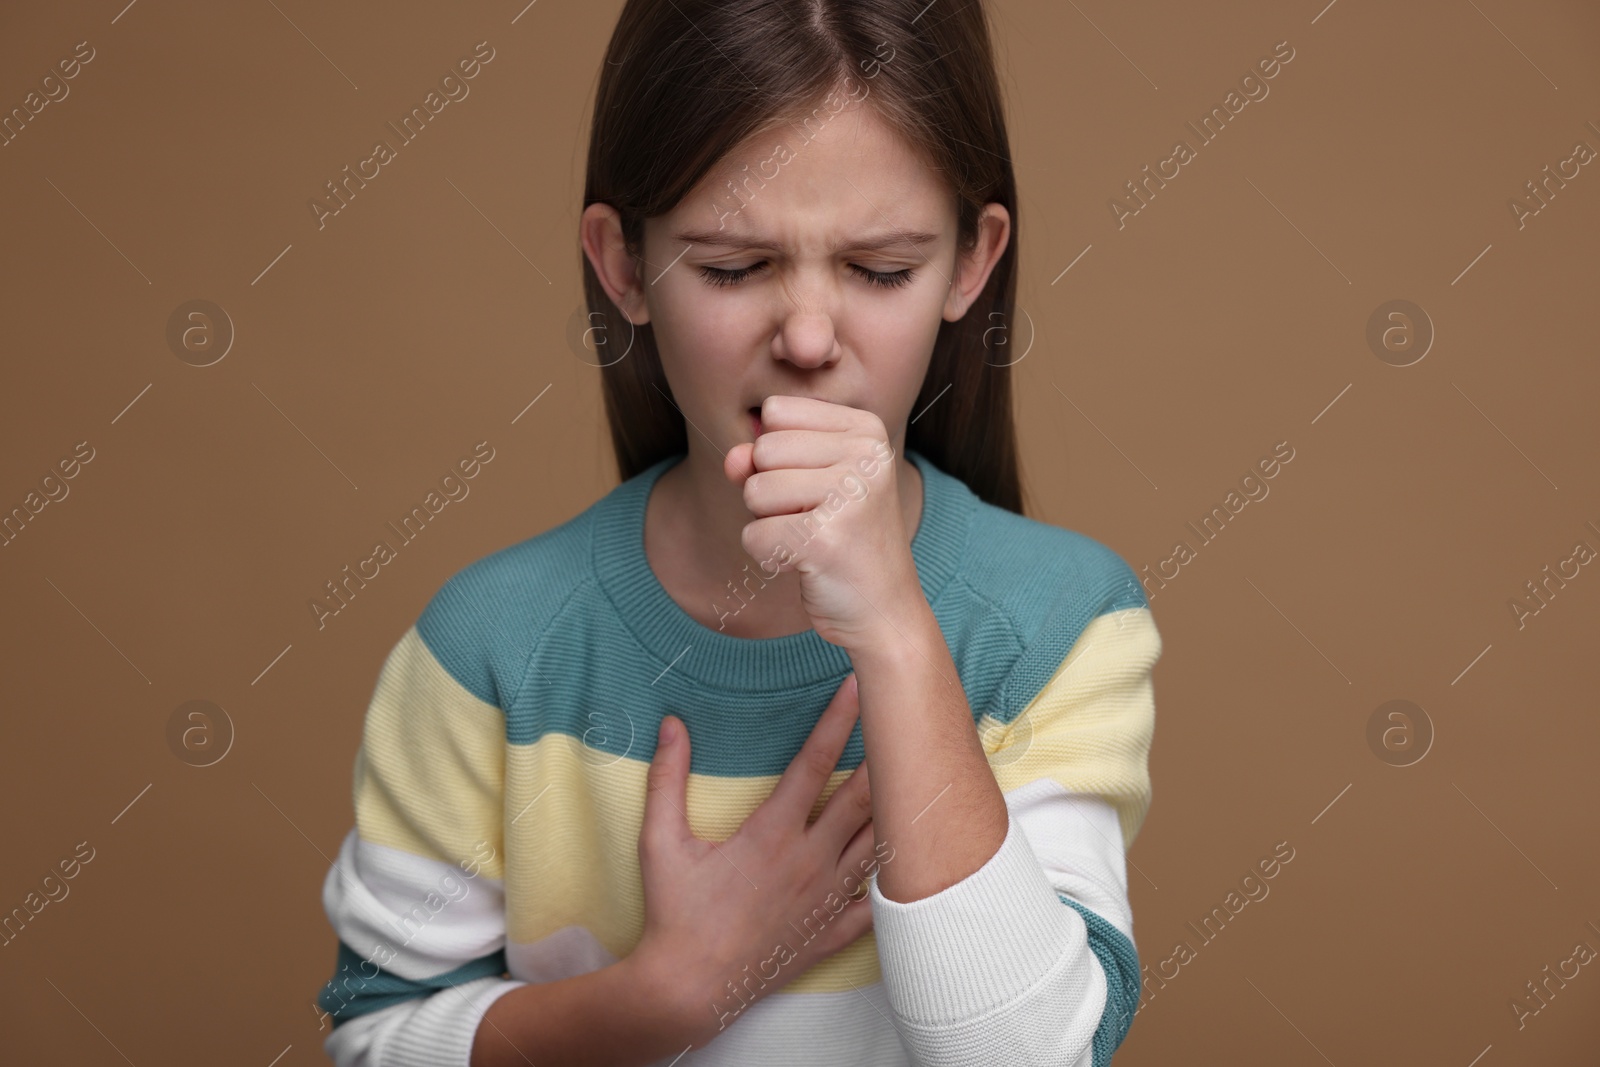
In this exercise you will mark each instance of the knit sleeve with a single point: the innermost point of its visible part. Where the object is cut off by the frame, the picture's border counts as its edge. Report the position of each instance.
(1030, 960)
(416, 895)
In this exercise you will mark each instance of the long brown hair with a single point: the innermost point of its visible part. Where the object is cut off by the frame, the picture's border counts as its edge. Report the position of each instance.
(686, 81)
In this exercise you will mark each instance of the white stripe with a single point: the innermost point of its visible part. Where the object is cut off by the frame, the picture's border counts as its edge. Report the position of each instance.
(430, 915)
(848, 1029)
(1078, 839)
(437, 1031)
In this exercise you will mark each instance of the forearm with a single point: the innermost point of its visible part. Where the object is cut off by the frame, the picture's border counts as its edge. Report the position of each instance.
(934, 797)
(617, 1016)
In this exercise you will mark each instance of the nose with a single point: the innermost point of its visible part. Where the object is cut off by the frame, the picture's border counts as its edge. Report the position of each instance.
(807, 340)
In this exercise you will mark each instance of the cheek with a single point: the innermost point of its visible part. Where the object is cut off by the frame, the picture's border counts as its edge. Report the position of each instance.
(704, 343)
(914, 318)
(698, 318)
(904, 328)
(895, 348)
(920, 315)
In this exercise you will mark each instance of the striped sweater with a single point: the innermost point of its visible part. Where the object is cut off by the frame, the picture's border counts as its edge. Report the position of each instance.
(500, 783)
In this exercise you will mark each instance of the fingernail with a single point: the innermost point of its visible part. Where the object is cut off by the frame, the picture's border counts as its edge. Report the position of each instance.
(668, 732)
(855, 683)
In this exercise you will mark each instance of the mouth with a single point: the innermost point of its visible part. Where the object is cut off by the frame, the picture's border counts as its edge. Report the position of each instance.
(755, 420)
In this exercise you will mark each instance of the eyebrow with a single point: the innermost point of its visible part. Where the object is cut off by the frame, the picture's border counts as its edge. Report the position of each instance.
(859, 244)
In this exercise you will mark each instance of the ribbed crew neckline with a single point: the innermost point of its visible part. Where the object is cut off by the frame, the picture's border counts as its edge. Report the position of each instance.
(722, 660)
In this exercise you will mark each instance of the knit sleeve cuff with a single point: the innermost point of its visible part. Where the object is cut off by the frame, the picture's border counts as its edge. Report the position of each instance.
(436, 1031)
(978, 945)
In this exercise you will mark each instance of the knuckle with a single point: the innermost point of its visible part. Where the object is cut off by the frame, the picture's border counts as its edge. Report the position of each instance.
(754, 831)
(766, 838)
(659, 780)
(863, 801)
(818, 762)
(750, 540)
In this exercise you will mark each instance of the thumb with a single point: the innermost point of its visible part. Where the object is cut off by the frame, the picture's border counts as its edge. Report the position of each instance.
(739, 463)
(666, 801)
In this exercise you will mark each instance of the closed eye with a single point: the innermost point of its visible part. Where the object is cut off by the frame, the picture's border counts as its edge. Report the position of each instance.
(720, 276)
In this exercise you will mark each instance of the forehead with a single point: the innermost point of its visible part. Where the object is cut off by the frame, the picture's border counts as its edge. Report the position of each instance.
(822, 179)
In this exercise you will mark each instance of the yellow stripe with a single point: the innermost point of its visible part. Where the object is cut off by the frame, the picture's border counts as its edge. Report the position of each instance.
(1090, 727)
(433, 763)
(430, 770)
(576, 850)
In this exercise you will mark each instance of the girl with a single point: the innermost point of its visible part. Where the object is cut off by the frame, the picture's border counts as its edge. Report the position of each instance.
(802, 745)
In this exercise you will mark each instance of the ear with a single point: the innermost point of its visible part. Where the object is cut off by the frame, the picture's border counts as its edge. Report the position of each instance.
(600, 230)
(974, 265)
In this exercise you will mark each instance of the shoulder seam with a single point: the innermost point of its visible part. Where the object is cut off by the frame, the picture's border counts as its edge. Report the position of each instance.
(538, 640)
(994, 607)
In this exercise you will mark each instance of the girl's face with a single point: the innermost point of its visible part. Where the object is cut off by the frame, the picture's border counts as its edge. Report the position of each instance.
(823, 270)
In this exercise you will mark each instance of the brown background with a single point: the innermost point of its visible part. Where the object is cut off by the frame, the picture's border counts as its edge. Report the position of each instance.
(1230, 314)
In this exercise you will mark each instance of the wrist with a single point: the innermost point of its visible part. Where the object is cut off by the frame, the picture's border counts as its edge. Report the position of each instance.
(913, 639)
(655, 988)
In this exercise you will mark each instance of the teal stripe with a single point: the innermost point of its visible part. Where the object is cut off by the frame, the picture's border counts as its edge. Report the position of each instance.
(570, 631)
(355, 990)
(1120, 960)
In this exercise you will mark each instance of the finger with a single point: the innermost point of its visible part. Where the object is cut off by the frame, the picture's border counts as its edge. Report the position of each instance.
(802, 782)
(781, 411)
(858, 862)
(848, 807)
(807, 448)
(666, 798)
(739, 463)
(789, 490)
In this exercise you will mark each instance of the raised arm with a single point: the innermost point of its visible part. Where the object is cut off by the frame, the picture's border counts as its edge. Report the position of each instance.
(1030, 958)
